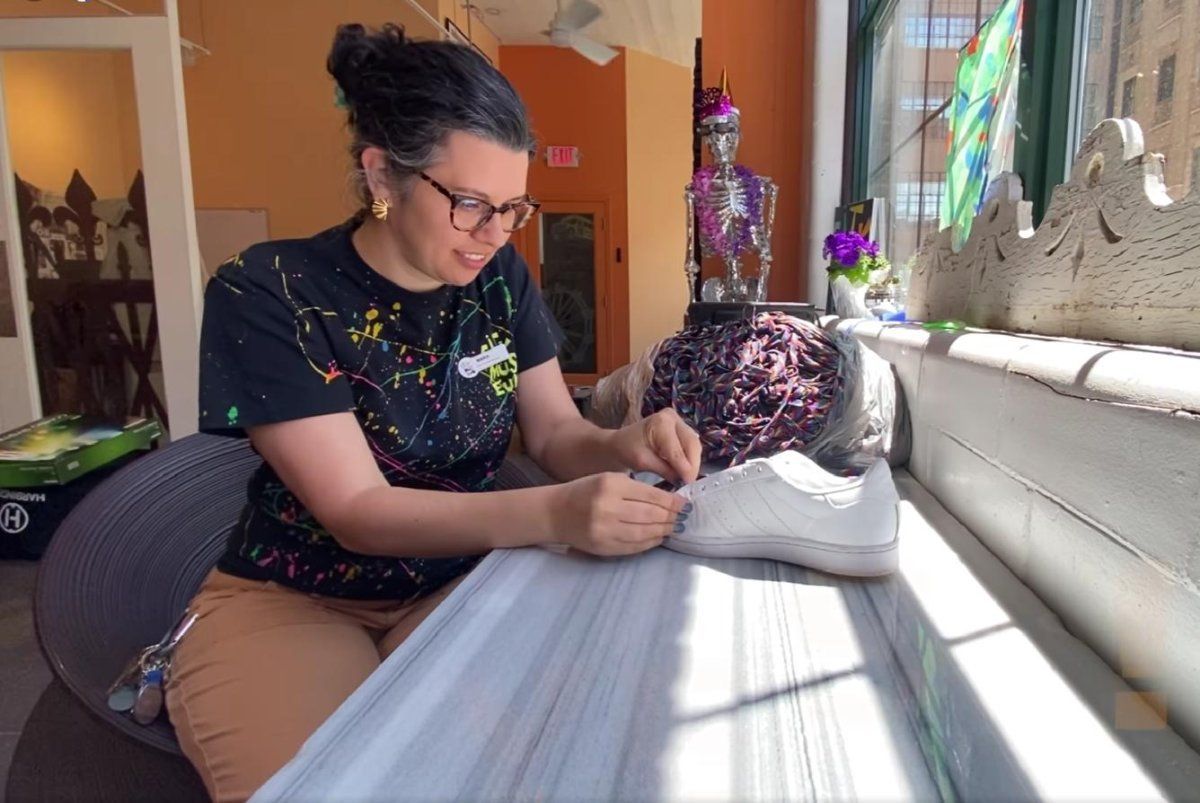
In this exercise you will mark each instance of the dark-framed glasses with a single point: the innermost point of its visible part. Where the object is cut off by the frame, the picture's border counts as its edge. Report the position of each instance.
(472, 214)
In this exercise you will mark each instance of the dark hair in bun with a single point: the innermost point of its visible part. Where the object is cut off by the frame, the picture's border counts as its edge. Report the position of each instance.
(406, 96)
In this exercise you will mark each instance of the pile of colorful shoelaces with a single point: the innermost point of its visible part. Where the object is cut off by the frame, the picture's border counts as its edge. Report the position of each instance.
(752, 387)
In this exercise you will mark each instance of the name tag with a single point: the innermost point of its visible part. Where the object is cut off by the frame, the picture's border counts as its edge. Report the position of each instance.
(469, 367)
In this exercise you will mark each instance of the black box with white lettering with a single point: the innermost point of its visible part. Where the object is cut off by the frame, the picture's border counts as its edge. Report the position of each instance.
(29, 516)
(49, 465)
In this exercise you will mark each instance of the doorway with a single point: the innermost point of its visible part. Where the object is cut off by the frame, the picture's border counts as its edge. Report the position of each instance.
(566, 247)
(97, 222)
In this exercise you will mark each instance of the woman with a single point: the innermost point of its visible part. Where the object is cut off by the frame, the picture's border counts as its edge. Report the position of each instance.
(377, 368)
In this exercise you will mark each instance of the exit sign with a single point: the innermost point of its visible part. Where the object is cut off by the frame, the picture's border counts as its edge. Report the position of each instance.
(562, 156)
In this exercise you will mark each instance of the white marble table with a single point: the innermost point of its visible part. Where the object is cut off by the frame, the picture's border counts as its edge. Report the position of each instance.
(548, 676)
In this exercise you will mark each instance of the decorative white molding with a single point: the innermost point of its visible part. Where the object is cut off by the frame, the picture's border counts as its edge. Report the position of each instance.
(1114, 259)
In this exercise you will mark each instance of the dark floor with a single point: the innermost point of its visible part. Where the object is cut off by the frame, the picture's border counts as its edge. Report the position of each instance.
(23, 673)
(51, 747)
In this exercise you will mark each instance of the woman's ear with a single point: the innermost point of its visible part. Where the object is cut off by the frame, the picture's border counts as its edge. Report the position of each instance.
(374, 164)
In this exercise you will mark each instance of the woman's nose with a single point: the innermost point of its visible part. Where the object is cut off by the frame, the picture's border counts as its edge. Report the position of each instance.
(492, 233)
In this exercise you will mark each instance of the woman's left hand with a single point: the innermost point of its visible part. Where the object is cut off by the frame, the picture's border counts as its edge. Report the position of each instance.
(662, 443)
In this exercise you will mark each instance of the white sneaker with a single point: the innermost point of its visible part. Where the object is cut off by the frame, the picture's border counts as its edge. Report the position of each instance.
(788, 508)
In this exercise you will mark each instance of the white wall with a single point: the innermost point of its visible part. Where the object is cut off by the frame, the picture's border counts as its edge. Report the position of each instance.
(829, 108)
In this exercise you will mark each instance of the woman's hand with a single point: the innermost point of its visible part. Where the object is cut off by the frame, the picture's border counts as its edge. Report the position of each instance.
(612, 514)
(662, 443)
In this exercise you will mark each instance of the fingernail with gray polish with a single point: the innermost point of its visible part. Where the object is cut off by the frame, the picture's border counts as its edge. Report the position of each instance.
(678, 528)
(687, 508)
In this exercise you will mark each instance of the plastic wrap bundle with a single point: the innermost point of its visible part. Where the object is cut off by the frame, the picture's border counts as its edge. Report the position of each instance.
(750, 387)
(617, 400)
(869, 419)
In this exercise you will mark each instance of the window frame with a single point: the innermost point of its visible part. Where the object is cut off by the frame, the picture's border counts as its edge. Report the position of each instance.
(1052, 36)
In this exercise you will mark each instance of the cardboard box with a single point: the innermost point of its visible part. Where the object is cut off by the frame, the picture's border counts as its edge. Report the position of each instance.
(59, 448)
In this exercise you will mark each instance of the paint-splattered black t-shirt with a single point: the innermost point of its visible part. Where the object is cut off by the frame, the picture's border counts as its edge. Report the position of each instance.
(300, 328)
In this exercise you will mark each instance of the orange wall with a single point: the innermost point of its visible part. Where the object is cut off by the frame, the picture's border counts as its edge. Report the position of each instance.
(573, 102)
(71, 110)
(767, 47)
(263, 127)
(659, 145)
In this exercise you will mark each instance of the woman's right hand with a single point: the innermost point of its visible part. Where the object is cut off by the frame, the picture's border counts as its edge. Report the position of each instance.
(613, 514)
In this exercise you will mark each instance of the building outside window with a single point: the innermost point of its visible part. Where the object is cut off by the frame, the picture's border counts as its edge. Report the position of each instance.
(1166, 55)
(917, 193)
(914, 48)
(1091, 97)
(1124, 58)
(1127, 97)
(939, 32)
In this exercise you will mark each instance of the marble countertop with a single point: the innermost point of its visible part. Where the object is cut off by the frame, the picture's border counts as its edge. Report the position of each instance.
(551, 676)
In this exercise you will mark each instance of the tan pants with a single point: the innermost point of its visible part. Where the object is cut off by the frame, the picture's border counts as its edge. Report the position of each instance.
(264, 666)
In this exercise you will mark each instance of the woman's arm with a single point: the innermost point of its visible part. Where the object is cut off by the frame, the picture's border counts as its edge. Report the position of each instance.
(566, 446)
(326, 462)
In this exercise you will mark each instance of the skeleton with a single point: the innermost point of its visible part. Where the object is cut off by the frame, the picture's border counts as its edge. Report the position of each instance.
(728, 196)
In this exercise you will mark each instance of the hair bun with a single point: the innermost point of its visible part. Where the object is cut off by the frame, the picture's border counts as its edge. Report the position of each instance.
(357, 53)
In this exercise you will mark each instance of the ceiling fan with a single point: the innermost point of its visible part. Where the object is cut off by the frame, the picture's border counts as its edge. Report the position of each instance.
(566, 26)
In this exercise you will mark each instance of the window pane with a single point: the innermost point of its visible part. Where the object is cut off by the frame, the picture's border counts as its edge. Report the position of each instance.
(1141, 61)
(1127, 97)
(1166, 79)
(915, 57)
(899, 181)
(568, 250)
(897, 83)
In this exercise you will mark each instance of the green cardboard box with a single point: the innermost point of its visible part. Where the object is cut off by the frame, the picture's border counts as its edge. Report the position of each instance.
(59, 448)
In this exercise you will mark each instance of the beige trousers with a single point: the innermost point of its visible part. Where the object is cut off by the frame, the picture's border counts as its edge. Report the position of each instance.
(264, 666)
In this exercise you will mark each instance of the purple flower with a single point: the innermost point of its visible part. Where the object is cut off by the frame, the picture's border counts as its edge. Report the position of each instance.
(847, 246)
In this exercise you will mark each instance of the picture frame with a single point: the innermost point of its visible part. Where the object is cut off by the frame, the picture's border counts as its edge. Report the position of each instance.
(456, 32)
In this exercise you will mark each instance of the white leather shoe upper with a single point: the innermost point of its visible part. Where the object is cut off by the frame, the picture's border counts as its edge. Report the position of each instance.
(788, 495)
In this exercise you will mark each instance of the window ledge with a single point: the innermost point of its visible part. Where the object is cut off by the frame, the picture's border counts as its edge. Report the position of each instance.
(1077, 464)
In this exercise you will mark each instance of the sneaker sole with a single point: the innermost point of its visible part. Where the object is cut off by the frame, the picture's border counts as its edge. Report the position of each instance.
(872, 561)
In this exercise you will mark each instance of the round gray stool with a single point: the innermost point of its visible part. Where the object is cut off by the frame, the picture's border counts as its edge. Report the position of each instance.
(124, 564)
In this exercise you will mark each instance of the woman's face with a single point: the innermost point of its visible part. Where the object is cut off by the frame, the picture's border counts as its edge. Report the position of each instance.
(420, 219)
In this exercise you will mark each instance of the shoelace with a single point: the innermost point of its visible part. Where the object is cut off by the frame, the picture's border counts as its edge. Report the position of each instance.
(751, 387)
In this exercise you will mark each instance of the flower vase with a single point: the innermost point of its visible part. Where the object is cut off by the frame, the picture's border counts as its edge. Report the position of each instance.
(849, 298)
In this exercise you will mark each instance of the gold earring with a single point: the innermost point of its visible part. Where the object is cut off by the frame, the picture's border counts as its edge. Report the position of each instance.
(380, 207)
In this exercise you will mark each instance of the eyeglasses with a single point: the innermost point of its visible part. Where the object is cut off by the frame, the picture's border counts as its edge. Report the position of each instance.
(472, 214)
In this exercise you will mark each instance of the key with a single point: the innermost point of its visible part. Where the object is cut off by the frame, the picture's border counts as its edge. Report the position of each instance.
(120, 693)
(148, 701)
(121, 698)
